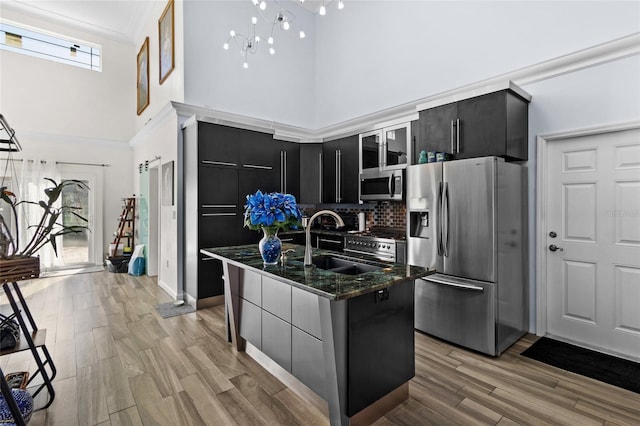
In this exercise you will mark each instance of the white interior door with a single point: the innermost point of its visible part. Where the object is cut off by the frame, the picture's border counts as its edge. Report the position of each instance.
(592, 241)
(84, 249)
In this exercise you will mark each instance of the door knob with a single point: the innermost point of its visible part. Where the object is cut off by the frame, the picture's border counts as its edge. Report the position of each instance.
(554, 247)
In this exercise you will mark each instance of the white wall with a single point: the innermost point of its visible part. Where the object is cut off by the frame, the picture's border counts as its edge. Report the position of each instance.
(159, 139)
(64, 113)
(378, 54)
(172, 89)
(157, 133)
(275, 88)
(604, 94)
(46, 97)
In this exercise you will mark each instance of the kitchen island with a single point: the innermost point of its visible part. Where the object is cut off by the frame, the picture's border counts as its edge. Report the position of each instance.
(342, 328)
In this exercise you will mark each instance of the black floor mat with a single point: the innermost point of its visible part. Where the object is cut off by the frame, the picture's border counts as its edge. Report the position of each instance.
(596, 365)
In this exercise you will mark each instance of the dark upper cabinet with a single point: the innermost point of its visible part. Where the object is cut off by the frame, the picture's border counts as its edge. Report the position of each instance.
(437, 129)
(259, 151)
(491, 124)
(310, 173)
(340, 170)
(290, 169)
(218, 145)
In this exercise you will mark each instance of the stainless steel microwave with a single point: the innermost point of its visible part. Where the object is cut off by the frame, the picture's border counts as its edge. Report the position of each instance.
(382, 185)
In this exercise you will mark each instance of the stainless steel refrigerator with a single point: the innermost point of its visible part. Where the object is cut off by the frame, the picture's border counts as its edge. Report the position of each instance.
(468, 220)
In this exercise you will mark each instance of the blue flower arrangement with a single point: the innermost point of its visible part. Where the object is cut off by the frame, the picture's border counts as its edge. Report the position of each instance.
(271, 212)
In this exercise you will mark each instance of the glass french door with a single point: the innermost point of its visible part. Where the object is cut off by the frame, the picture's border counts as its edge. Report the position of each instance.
(84, 248)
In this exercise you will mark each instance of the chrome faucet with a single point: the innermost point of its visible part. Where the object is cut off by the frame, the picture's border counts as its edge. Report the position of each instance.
(306, 224)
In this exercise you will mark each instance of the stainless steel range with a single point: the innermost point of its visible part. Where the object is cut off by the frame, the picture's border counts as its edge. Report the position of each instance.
(380, 243)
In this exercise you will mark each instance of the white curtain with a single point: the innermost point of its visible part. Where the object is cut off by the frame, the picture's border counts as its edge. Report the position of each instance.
(31, 184)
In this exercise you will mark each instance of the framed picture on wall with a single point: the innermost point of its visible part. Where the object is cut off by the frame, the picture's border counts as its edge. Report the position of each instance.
(143, 77)
(167, 183)
(165, 42)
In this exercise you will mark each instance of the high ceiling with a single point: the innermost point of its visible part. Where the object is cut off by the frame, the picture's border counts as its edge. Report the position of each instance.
(118, 19)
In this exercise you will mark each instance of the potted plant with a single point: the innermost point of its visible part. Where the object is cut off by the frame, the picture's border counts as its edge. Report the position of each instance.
(270, 213)
(20, 261)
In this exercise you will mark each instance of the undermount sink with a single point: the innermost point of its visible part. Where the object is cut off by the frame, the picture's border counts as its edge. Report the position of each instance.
(342, 266)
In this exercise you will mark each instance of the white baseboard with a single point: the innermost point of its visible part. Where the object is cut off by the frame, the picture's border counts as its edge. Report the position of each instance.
(170, 291)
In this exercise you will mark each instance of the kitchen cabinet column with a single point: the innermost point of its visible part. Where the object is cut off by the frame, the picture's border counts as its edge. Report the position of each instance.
(340, 171)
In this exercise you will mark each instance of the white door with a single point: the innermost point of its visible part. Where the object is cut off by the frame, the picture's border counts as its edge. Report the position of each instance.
(86, 248)
(593, 218)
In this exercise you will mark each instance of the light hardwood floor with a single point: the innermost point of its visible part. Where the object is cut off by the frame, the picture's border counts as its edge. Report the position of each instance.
(120, 363)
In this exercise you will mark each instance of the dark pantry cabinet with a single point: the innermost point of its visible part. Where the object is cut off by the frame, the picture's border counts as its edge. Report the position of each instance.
(340, 170)
(490, 124)
(223, 165)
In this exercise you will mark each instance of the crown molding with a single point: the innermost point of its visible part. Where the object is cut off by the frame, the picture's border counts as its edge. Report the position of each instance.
(596, 55)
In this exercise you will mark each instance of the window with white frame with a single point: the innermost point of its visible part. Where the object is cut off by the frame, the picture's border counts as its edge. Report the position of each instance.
(45, 45)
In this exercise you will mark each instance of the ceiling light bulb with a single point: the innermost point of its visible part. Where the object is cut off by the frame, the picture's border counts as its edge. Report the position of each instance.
(272, 51)
(301, 1)
(340, 4)
(254, 20)
(263, 5)
(245, 65)
(323, 10)
(270, 40)
(302, 34)
(285, 25)
(257, 39)
(232, 33)
(255, 2)
(225, 46)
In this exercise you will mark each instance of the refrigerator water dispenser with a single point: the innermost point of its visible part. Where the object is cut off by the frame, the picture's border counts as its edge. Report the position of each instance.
(419, 224)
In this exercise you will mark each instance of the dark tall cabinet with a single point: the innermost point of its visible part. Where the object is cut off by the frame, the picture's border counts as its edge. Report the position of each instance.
(222, 165)
(487, 125)
(310, 173)
(340, 171)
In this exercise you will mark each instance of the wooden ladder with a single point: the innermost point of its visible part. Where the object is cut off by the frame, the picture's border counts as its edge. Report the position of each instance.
(126, 225)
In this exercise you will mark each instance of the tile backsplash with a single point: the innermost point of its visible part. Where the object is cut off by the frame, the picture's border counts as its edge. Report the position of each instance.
(381, 213)
(390, 213)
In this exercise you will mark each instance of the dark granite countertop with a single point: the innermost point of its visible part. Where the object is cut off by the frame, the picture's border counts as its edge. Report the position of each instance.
(325, 283)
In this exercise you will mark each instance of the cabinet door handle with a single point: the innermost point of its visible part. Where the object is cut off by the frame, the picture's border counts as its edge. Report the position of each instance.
(217, 214)
(457, 136)
(323, 240)
(453, 150)
(284, 154)
(218, 206)
(321, 176)
(281, 172)
(337, 177)
(257, 166)
(218, 163)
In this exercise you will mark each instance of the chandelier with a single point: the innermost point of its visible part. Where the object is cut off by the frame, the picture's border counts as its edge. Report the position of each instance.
(282, 21)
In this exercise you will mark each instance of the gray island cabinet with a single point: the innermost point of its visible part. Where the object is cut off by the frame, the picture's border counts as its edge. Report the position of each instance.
(347, 338)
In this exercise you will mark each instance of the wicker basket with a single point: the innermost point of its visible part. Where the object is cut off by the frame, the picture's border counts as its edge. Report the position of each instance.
(19, 268)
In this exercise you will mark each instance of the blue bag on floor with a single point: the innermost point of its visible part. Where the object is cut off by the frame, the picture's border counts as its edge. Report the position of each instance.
(136, 264)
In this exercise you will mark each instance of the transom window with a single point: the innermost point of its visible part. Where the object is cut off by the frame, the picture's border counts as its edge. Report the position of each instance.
(45, 45)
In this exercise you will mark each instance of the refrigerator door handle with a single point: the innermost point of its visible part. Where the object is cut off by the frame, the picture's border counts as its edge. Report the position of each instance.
(445, 219)
(450, 284)
(439, 217)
